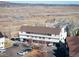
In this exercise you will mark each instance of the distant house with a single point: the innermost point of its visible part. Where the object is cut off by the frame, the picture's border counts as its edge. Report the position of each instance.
(2, 40)
(43, 35)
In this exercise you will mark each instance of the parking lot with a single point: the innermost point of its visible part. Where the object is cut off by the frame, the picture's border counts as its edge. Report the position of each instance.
(12, 52)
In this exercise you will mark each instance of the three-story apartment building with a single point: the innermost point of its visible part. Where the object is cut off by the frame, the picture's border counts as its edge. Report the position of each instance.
(43, 34)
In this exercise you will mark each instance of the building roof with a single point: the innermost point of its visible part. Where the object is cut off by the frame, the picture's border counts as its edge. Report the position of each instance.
(41, 30)
(73, 44)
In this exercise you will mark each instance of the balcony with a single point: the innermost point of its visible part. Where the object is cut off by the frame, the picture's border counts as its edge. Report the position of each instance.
(40, 38)
(38, 35)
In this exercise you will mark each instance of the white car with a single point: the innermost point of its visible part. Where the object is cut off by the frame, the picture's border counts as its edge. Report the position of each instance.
(2, 50)
(24, 51)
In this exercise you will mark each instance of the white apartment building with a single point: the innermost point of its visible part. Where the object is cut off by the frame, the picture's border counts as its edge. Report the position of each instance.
(2, 43)
(43, 34)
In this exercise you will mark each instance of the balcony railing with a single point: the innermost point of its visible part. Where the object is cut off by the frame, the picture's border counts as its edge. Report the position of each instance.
(37, 35)
(40, 38)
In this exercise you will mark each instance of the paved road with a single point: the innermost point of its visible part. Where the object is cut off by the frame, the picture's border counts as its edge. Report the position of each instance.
(12, 52)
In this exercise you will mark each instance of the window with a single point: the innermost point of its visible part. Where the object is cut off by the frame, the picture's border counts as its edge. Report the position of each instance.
(32, 36)
(27, 32)
(43, 37)
(49, 38)
(2, 43)
(43, 42)
(40, 37)
(27, 36)
(35, 41)
(24, 40)
(49, 34)
(27, 40)
(17, 39)
(35, 36)
(40, 42)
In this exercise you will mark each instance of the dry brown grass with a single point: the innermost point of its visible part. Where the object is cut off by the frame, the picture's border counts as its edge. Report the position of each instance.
(37, 53)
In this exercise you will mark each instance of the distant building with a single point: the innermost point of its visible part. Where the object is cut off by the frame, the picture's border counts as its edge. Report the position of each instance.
(43, 35)
(2, 42)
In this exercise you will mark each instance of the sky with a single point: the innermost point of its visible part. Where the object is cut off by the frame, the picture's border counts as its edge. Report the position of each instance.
(47, 2)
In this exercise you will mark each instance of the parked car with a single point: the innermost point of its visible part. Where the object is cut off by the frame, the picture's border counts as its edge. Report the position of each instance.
(24, 51)
(15, 45)
(15, 39)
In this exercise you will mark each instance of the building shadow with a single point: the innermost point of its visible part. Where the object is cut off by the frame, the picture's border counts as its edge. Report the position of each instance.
(62, 50)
